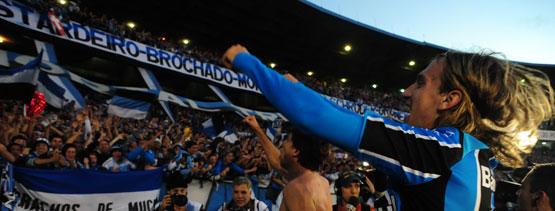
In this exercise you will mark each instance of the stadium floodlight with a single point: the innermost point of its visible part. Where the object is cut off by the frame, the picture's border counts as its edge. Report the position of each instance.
(131, 25)
(412, 63)
(343, 80)
(273, 65)
(402, 90)
(185, 41)
(374, 86)
(310, 73)
(348, 48)
(62, 2)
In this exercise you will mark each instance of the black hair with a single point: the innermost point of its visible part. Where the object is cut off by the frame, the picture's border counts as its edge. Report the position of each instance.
(174, 179)
(56, 136)
(541, 179)
(18, 136)
(189, 144)
(312, 150)
(14, 144)
(66, 147)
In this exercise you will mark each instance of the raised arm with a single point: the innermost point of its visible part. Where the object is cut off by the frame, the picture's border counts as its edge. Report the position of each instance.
(272, 152)
(305, 108)
(395, 148)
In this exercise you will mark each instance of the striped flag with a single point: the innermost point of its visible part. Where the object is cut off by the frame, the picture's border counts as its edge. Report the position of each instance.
(80, 189)
(128, 108)
(271, 133)
(20, 81)
(229, 136)
(208, 128)
(59, 90)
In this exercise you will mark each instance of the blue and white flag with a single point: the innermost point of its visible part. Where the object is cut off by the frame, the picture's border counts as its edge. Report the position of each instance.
(208, 128)
(59, 91)
(18, 82)
(128, 108)
(228, 136)
(27, 73)
(271, 133)
(80, 189)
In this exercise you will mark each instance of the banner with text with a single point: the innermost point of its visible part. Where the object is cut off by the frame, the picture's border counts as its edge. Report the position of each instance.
(22, 15)
(80, 189)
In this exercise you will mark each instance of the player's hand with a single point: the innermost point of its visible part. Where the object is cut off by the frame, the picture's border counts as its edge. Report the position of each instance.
(230, 54)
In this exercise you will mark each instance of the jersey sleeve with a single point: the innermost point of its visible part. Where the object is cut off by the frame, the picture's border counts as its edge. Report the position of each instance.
(303, 107)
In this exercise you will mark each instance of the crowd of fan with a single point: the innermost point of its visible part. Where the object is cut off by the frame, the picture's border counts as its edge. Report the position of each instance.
(93, 139)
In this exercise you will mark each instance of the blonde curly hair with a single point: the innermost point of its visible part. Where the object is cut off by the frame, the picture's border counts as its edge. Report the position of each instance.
(502, 103)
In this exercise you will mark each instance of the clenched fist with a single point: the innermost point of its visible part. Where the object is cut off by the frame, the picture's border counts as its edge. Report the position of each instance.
(230, 54)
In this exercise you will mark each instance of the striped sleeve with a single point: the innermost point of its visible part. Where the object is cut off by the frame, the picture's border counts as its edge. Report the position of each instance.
(409, 154)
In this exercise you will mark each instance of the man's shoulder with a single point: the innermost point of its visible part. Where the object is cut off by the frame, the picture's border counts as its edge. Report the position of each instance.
(294, 189)
(310, 182)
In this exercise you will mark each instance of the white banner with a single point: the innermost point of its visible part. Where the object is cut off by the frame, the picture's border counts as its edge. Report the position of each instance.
(80, 189)
(36, 200)
(22, 15)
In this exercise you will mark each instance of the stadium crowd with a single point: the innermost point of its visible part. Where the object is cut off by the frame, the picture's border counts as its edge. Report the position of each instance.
(92, 138)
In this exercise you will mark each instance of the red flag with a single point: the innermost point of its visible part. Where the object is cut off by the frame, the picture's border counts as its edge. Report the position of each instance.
(37, 104)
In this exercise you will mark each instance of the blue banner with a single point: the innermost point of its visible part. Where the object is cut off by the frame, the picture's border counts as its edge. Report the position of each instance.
(80, 189)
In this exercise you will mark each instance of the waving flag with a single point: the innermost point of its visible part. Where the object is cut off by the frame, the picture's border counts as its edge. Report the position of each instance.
(21, 81)
(81, 189)
(128, 108)
(228, 136)
(208, 128)
(271, 133)
(59, 90)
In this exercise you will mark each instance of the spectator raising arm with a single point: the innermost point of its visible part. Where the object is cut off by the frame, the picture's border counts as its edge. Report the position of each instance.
(272, 152)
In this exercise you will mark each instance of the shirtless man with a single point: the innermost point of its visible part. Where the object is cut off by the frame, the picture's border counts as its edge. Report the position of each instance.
(298, 160)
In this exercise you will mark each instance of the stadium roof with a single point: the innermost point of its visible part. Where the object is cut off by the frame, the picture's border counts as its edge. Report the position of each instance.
(295, 35)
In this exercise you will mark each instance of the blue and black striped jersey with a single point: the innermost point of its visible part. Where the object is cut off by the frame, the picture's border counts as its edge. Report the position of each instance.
(439, 169)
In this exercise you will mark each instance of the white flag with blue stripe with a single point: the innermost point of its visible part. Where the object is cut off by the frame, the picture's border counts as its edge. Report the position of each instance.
(229, 136)
(81, 189)
(59, 91)
(271, 133)
(208, 128)
(27, 73)
(128, 108)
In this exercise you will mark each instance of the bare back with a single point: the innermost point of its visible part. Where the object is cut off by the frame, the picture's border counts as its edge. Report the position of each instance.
(308, 192)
